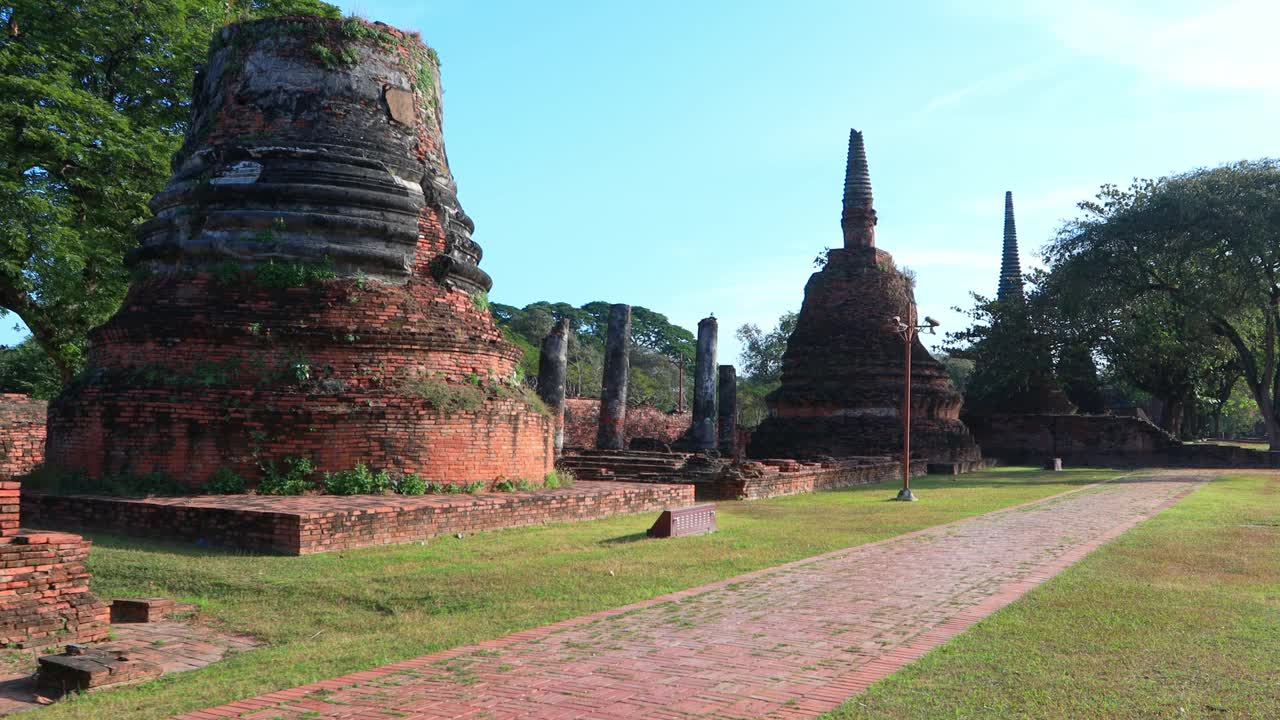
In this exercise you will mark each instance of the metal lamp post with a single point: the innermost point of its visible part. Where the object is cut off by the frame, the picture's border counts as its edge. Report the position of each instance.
(907, 331)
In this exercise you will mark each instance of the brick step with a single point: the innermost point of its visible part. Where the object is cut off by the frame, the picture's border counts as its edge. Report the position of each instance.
(598, 452)
(631, 465)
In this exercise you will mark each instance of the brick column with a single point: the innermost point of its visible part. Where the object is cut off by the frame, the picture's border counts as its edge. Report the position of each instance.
(611, 434)
(703, 431)
(728, 414)
(552, 365)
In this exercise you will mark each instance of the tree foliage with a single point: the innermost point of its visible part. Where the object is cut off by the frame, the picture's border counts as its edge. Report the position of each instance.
(761, 366)
(94, 98)
(1012, 354)
(658, 348)
(1179, 281)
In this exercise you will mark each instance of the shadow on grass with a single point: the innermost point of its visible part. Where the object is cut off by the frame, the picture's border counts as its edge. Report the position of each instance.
(625, 539)
(186, 548)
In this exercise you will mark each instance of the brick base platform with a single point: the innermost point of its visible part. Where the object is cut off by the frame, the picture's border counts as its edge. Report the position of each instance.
(713, 479)
(309, 524)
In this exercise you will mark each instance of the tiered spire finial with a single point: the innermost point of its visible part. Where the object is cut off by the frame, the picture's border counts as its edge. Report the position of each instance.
(1010, 266)
(858, 219)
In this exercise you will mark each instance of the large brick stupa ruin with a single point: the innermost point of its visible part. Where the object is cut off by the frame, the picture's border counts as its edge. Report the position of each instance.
(308, 286)
(842, 374)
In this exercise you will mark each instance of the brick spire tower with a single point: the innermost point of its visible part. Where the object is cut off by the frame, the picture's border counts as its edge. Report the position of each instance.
(842, 373)
(858, 219)
(1010, 266)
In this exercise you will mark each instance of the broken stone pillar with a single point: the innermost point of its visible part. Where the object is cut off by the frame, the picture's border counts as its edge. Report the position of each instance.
(703, 431)
(552, 366)
(613, 393)
(728, 411)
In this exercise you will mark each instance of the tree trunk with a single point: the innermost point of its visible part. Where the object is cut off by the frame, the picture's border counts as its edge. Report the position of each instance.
(1171, 417)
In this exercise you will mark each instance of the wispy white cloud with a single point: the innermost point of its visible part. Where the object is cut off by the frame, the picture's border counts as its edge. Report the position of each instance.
(1226, 45)
(994, 84)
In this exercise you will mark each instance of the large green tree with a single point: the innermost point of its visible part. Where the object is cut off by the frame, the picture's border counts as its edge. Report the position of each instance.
(761, 358)
(1181, 267)
(94, 98)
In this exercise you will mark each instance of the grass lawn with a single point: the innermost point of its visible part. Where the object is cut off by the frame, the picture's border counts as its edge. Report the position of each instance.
(1178, 618)
(329, 614)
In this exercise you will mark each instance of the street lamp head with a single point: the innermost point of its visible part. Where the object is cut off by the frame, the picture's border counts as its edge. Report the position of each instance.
(932, 323)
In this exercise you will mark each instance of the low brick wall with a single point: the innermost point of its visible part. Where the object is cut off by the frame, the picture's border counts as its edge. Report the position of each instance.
(582, 418)
(22, 432)
(1102, 440)
(774, 478)
(309, 524)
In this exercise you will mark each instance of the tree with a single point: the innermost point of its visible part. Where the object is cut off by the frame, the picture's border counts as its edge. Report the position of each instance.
(762, 352)
(26, 369)
(1205, 245)
(94, 97)
(658, 348)
(1012, 351)
(761, 366)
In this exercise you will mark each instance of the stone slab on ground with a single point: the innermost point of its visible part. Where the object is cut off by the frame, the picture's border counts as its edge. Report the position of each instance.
(791, 641)
(91, 669)
(317, 523)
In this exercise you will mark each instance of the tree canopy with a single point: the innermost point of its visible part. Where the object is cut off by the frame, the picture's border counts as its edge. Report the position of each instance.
(1178, 281)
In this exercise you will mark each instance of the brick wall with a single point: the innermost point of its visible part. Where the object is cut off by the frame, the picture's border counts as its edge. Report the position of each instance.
(776, 478)
(22, 431)
(1102, 440)
(582, 417)
(302, 525)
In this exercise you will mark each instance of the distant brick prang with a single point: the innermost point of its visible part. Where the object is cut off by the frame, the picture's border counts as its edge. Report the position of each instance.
(842, 374)
(44, 587)
(308, 286)
(22, 429)
(311, 524)
(581, 419)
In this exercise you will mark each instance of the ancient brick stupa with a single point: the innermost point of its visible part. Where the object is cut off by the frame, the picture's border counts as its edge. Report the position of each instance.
(842, 374)
(308, 286)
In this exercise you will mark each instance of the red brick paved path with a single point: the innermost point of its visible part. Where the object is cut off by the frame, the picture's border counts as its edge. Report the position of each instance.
(791, 641)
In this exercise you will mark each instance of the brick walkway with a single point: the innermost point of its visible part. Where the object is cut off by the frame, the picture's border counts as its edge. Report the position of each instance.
(790, 641)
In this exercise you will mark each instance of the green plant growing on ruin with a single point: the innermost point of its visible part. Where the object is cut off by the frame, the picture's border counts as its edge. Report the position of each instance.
(298, 370)
(558, 479)
(324, 55)
(473, 487)
(357, 481)
(512, 485)
(480, 301)
(438, 267)
(444, 397)
(225, 482)
(410, 484)
(293, 478)
(279, 276)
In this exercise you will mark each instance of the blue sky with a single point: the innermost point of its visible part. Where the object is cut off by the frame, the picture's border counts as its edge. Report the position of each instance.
(688, 156)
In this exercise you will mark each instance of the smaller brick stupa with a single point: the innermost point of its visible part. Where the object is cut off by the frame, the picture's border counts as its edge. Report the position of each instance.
(842, 374)
(1014, 372)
